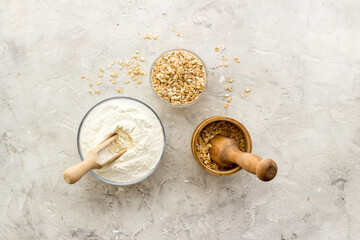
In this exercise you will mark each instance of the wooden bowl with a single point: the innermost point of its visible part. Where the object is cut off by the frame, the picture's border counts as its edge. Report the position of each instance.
(248, 144)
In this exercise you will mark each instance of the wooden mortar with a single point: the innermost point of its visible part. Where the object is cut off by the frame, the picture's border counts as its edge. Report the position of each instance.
(247, 138)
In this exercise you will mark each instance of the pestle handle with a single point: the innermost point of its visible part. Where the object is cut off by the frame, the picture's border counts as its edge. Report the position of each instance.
(265, 169)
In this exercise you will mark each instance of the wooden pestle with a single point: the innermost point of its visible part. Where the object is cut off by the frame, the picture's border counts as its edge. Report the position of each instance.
(225, 151)
(92, 161)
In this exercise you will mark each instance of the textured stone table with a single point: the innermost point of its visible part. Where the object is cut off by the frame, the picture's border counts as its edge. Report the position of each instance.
(301, 60)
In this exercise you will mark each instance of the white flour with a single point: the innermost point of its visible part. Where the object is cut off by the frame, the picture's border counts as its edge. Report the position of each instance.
(139, 131)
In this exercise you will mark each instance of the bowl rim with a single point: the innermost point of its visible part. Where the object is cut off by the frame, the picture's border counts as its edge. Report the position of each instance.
(166, 102)
(202, 125)
(107, 180)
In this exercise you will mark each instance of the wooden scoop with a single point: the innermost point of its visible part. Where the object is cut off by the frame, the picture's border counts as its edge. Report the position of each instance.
(92, 161)
(225, 151)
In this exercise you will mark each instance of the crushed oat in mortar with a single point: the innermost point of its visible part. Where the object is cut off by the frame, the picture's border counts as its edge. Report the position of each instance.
(178, 77)
(203, 145)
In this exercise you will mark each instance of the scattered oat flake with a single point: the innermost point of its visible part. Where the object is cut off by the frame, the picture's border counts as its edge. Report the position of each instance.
(91, 92)
(119, 90)
(114, 74)
(226, 105)
(97, 91)
(220, 64)
(217, 49)
(178, 34)
(252, 71)
(142, 59)
(226, 64)
(145, 36)
(101, 69)
(87, 77)
(127, 81)
(243, 94)
(236, 58)
(137, 51)
(231, 80)
(172, 29)
(113, 80)
(82, 77)
(100, 74)
(226, 58)
(156, 37)
(222, 47)
(226, 95)
(90, 84)
(149, 36)
(228, 87)
(13, 149)
(238, 61)
(247, 89)
(98, 82)
(108, 66)
(113, 62)
(308, 198)
(229, 100)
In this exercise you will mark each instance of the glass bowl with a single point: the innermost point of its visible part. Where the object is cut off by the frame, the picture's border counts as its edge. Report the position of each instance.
(113, 182)
(166, 102)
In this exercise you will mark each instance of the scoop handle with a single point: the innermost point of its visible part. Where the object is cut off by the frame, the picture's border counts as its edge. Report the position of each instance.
(265, 169)
(76, 172)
